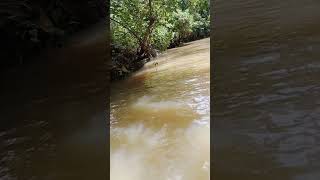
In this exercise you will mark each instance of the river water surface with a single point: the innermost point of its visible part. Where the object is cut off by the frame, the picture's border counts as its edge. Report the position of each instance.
(266, 96)
(53, 113)
(160, 118)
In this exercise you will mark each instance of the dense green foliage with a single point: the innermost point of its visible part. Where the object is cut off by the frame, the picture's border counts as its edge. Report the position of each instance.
(143, 25)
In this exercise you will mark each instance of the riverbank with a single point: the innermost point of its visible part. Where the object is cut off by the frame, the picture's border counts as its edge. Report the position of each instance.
(140, 30)
(124, 62)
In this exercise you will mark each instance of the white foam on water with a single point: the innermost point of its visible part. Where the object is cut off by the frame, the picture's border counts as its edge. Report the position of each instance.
(165, 110)
(142, 153)
(135, 146)
(156, 113)
(148, 103)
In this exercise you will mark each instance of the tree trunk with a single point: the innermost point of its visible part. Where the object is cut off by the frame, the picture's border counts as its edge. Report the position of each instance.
(145, 46)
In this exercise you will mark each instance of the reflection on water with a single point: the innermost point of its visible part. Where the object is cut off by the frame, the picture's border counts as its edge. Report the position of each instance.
(160, 118)
(266, 93)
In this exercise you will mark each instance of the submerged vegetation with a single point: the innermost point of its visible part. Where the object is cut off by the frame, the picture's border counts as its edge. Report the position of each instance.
(142, 28)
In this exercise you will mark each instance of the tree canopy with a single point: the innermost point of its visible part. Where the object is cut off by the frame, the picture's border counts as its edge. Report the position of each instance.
(143, 25)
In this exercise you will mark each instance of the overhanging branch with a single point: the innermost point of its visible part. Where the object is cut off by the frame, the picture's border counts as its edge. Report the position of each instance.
(127, 28)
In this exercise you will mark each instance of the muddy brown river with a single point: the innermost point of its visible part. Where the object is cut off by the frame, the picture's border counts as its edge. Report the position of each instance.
(265, 97)
(53, 113)
(160, 118)
(266, 90)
